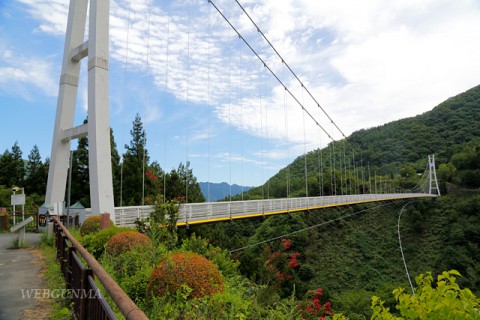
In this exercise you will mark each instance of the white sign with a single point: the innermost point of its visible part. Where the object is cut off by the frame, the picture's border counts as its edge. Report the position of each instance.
(18, 199)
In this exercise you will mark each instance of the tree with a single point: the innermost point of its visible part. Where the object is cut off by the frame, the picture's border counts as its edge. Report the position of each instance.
(135, 160)
(177, 182)
(6, 160)
(12, 167)
(116, 169)
(446, 172)
(80, 190)
(80, 171)
(445, 300)
(36, 180)
(18, 166)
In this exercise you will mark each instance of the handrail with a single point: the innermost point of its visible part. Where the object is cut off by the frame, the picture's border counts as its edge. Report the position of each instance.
(126, 306)
(197, 213)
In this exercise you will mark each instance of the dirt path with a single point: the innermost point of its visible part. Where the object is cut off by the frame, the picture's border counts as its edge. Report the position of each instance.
(20, 273)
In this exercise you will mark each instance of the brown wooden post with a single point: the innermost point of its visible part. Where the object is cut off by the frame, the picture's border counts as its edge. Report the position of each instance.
(3, 219)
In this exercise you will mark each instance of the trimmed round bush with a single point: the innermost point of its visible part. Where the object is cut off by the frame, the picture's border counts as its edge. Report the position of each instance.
(95, 243)
(185, 268)
(126, 241)
(91, 225)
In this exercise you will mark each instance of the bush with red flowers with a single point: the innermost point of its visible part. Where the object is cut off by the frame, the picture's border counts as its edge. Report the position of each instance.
(185, 268)
(314, 308)
(126, 241)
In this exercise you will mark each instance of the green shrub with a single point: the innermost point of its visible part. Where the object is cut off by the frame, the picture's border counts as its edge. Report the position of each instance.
(185, 268)
(219, 256)
(126, 241)
(91, 225)
(441, 300)
(96, 243)
(131, 270)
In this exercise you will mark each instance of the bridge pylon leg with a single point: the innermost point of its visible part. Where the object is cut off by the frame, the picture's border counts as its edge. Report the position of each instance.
(432, 181)
(96, 49)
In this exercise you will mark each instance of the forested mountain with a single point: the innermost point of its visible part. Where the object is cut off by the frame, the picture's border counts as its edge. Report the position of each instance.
(217, 191)
(440, 131)
(396, 148)
(353, 252)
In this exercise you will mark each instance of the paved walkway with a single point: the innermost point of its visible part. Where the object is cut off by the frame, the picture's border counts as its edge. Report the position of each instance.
(20, 269)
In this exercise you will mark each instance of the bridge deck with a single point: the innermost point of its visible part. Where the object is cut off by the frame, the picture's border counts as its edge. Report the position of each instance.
(198, 213)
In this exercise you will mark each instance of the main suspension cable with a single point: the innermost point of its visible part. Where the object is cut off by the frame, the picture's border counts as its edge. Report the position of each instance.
(271, 71)
(283, 61)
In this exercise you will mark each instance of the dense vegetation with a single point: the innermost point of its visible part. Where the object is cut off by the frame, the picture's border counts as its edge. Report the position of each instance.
(353, 252)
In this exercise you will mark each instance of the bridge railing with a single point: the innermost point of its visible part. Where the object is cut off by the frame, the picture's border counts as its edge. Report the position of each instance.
(88, 302)
(192, 213)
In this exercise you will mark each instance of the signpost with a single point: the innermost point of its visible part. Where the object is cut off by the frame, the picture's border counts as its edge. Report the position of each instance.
(18, 199)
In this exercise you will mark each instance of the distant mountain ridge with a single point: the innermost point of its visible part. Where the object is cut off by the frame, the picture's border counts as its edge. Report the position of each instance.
(221, 190)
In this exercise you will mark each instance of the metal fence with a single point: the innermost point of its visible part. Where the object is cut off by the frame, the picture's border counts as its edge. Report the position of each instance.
(88, 302)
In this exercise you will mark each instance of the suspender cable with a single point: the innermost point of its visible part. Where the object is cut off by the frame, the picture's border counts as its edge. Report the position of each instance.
(283, 60)
(165, 131)
(270, 70)
(241, 123)
(188, 105)
(267, 132)
(229, 114)
(261, 128)
(286, 140)
(208, 100)
(123, 109)
(305, 148)
(319, 167)
(145, 108)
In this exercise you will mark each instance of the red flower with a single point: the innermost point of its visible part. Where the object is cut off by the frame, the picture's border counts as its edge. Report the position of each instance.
(286, 243)
(328, 306)
(293, 260)
(318, 292)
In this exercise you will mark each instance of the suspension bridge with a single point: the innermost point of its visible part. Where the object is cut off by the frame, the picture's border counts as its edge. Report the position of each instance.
(96, 50)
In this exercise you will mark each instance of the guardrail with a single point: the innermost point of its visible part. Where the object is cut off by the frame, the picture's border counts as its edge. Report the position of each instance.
(88, 302)
(196, 213)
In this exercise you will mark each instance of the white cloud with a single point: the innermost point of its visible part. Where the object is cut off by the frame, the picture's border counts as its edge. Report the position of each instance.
(366, 63)
(18, 73)
(52, 15)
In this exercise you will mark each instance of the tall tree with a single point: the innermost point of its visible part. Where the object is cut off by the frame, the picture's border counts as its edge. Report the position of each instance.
(80, 179)
(181, 183)
(17, 166)
(80, 171)
(135, 160)
(36, 180)
(116, 169)
(6, 160)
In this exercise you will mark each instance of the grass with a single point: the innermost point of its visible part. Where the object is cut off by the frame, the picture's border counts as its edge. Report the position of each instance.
(53, 277)
(17, 244)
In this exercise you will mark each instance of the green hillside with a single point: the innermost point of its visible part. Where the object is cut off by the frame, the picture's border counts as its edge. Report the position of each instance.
(383, 151)
(440, 131)
(353, 252)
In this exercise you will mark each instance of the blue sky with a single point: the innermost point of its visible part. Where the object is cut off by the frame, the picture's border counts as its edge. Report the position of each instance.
(205, 98)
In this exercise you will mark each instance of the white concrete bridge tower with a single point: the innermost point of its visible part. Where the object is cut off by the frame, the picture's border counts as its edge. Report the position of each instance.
(96, 49)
